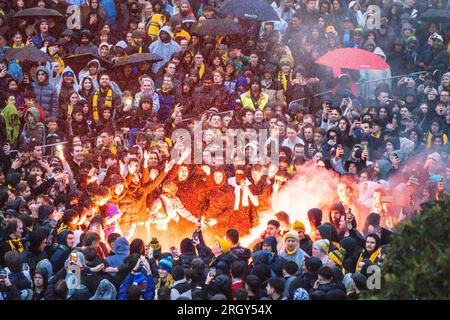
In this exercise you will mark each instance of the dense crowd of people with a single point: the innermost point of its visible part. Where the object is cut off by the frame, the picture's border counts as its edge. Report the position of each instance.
(94, 204)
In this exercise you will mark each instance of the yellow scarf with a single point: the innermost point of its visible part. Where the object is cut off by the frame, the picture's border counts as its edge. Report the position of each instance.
(372, 257)
(69, 111)
(168, 284)
(201, 71)
(140, 49)
(153, 27)
(20, 46)
(16, 245)
(284, 80)
(108, 102)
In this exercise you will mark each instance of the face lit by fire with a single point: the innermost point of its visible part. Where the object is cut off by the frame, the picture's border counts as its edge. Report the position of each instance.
(218, 177)
(118, 189)
(170, 189)
(183, 173)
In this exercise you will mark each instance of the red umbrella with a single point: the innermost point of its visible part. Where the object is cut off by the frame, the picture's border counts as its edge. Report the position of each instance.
(352, 58)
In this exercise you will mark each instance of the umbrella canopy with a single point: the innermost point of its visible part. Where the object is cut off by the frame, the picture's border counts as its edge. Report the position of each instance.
(37, 12)
(436, 15)
(78, 61)
(259, 10)
(28, 53)
(137, 58)
(352, 58)
(217, 27)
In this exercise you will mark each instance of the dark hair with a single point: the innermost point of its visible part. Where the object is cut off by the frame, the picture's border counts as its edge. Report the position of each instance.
(164, 293)
(112, 238)
(237, 269)
(13, 261)
(241, 294)
(274, 223)
(282, 216)
(133, 293)
(233, 234)
(277, 284)
(137, 246)
(89, 238)
(254, 283)
(177, 273)
(290, 267)
(326, 272)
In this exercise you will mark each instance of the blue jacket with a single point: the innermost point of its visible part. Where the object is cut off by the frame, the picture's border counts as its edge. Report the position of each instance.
(46, 94)
(121, 251)
(145, 282)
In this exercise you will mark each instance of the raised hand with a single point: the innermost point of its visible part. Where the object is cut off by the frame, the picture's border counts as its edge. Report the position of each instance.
(169, 165)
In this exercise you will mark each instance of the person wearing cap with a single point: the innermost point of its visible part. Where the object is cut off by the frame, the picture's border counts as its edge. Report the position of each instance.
(305, 240)
(219, 256)
(292, 251)
(435, 57)
(138, 42)
(86, 46)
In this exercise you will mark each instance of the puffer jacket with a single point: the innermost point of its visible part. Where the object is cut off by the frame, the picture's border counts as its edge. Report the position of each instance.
(46, 94)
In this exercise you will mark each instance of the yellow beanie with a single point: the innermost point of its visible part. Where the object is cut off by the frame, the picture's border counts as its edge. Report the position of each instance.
(298, 226)
(225, 245)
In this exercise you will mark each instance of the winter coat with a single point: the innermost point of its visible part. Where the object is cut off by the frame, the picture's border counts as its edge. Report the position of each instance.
(121, 252)
(298, 257)
(62, 252)
(145, 282)
(46, 94)
(435, 58)
(33, 132)
(165, 50)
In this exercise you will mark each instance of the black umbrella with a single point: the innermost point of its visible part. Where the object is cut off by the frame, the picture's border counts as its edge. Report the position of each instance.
(28, 53)
(436, 15)
(37, 12)
(137, 58)
(79, 61)
(259, 10)
(217, 27)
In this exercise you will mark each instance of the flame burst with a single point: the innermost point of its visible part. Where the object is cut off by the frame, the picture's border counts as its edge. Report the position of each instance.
(314, 188)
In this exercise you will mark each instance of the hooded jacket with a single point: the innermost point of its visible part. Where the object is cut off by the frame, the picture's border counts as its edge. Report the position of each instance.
(9, 124)
(46, 94)
(165, 50)
(121, 251)
(33, 131)
(62, 251)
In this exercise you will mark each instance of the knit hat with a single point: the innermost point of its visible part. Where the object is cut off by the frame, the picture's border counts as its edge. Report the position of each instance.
(435, 156)
(26, 294)
(407, 26)
(13, 179)
(166, 264)
(411, 39)
(298, 226)
(337, 256)
(436, 36)
(224, 244)
(291, 235)
(301, 294)
(155, 245)
(330, 29)
(121, 44)
(323, 245)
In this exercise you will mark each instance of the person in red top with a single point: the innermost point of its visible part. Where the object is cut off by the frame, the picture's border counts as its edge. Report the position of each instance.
(237, 273)
(30, 98)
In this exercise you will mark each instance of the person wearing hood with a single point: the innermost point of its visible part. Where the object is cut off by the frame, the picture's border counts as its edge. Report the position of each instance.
(9, 124)
(188, 254)
(86, 46)
(105, 291)
(41, 289)
(43, 33)
(65, 242)
(276, 262)
(243, 254)
(293, 252)
(90, 70)
(46, 93)
(33, 130)
(35, 251)
(399, 61)
(352, 252)
(121, 252)
(165, 47)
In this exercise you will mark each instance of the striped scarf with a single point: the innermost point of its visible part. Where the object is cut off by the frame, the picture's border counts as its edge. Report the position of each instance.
(16, 245)
(108, 102)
